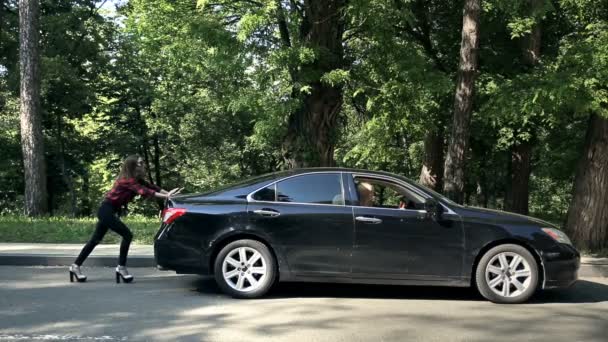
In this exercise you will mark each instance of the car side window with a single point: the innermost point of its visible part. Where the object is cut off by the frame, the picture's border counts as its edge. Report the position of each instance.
(313, 188)
(383, 194)
(268, 194)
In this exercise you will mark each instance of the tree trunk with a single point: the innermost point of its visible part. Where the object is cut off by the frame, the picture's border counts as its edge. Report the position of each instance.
(157, 161)
(311, 130)
(431, 174)
(85, 209)
(463, 102)
(482, 192)
(145, 146)
(146, 150)
(32, 138)
(587, 220)
(519, 192)
(483, 186)
(532, 42)
(507, 181)
(65, 174)
(1, 25)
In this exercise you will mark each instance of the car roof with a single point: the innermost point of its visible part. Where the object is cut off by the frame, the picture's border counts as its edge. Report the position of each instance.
(292, 172)
(329, 169)
(246, 186)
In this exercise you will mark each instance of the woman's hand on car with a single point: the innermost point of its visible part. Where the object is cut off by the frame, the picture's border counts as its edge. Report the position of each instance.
(174, 192)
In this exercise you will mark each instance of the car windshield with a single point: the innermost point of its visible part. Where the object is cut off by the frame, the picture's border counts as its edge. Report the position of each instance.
(436, 194)
(430, 191)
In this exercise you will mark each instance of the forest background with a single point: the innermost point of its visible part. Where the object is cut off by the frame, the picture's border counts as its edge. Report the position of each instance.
(496, 103)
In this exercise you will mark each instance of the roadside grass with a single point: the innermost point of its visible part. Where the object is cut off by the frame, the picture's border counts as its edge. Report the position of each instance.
(71, 230)
(603, 253)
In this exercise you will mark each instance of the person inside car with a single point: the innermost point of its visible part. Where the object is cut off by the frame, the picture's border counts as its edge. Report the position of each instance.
(405, 203)
(366, 194)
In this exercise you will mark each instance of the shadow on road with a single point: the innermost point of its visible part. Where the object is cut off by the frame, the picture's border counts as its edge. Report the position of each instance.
(582, 291)
(160, 306)
(285, 290)
(329, 290)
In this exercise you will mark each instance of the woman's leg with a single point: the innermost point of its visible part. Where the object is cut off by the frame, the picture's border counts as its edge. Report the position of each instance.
(120, 228)
(103, 215)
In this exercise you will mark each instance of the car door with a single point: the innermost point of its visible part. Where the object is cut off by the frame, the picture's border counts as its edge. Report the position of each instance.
(306, 217)
(406, 244)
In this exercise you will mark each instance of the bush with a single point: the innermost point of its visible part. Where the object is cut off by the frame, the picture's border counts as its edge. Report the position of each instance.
(70, 230)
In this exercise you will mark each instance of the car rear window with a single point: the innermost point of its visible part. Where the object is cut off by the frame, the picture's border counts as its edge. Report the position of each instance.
(267, 194)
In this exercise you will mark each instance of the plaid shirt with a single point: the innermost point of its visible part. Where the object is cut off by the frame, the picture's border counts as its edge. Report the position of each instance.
(125, 189)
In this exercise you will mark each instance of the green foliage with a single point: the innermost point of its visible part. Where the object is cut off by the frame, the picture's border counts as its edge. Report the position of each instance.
(204, 89)
(71, 230)
(11, 174)
(520, 15)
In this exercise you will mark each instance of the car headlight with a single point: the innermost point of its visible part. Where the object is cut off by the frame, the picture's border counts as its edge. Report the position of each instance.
(557, 235)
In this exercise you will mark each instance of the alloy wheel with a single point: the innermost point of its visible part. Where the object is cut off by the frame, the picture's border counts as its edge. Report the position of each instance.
(508, 274)
(244, 269)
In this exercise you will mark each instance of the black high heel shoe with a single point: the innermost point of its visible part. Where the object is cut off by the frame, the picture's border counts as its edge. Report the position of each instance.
(122, 273)
(75, 272)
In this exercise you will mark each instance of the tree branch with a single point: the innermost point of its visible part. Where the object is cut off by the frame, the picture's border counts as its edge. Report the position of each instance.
(230, 20)
(296, 7)
(8, 9)
(425, 42)
(422, 35)
(94, 10)
(283, 29)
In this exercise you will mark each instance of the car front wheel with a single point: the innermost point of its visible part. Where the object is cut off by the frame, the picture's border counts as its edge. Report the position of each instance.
(245, 269)
(507, 274)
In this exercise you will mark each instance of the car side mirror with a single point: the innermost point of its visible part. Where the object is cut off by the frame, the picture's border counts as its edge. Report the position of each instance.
(433, 208)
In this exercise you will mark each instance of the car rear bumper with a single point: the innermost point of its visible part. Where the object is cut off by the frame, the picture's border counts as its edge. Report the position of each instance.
(561, 269)
(181, 258)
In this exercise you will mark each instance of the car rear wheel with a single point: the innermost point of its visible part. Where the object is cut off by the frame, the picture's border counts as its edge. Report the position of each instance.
(507, 274)
(245, 269)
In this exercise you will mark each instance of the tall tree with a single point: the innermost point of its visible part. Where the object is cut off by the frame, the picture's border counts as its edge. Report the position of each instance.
(463, 102)
(301, 44)
(419, 25)
(585, 58)
(518, 189)
(32, 139)
(587, 221)
(310, 138)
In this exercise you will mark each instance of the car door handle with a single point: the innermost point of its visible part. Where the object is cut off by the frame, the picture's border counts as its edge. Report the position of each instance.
(366, 219)
(267, 212)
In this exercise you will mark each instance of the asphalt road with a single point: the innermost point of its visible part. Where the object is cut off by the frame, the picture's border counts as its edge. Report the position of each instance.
(39, 303)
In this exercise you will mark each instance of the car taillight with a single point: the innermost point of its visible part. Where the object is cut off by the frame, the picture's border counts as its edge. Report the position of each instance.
(170, 214)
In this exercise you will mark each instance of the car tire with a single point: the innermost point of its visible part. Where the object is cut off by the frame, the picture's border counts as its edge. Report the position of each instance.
(245, 277)
(507, 274)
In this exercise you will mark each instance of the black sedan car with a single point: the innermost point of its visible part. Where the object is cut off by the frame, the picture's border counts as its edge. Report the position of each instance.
(357, 226)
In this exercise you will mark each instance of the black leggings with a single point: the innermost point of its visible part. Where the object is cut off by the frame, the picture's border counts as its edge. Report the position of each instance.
(107, 220)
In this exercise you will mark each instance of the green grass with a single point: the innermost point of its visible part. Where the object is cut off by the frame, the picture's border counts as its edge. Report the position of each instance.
(71, 230)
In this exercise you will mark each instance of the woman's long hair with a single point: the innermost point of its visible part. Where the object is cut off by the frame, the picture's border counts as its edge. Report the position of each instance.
(131, 168)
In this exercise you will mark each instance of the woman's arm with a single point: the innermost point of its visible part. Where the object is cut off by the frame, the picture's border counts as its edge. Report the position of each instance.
(148, 190)
(164, 195)
(152, 190)
(167, 194)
